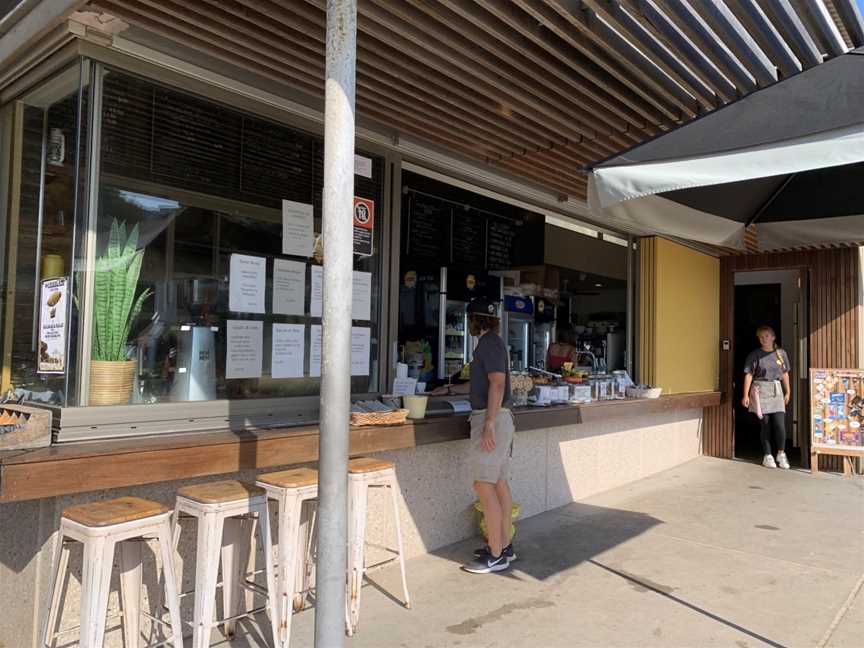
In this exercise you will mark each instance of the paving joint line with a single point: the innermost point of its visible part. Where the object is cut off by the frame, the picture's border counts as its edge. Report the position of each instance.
(841, 613)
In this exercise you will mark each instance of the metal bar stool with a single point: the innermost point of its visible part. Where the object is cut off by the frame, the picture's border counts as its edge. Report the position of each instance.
(222, 510)
(100, 527)
(290, 489)
(365, 473)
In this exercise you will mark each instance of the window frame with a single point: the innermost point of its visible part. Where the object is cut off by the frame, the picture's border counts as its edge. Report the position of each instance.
(83, 422)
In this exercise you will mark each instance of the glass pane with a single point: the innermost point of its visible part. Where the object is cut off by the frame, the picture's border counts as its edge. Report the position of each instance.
(40, 228)
(202, 186)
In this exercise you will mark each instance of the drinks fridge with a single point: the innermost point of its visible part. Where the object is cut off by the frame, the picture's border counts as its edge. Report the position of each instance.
(458, 287)
(518, 326)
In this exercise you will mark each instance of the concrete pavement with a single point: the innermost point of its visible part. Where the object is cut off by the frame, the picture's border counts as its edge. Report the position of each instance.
(711, 553)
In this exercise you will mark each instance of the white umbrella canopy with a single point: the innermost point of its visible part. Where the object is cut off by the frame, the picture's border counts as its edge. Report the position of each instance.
(789, 157)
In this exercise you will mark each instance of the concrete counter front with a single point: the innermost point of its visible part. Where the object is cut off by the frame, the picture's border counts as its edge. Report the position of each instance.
(100, 465)
(561, 454)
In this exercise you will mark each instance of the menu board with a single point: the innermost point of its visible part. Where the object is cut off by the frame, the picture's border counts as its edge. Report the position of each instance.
(469, 238)
(500, 237)
(837, 408)
(444, 233)
(428, 224)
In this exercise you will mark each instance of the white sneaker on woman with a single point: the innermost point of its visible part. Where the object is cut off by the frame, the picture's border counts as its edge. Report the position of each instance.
(768, 461)
(782, 461)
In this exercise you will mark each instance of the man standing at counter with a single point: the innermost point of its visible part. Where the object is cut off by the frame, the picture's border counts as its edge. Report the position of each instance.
(492, 427)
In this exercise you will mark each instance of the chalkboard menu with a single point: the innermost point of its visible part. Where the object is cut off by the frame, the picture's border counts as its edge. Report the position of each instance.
(469, 238)
(277, 161)
(444, 232)
(195, 141)
(428, 227)
(501, 234)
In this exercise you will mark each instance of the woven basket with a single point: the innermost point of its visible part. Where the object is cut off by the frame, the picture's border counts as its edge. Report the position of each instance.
(111, 381)
(396, 417)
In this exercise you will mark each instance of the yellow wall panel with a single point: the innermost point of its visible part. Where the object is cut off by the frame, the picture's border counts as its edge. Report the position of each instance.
(680, 316)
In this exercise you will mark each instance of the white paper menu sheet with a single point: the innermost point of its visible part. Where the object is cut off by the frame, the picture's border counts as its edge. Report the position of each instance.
(316, 301)
(361, 294)
(361, 344)
(289, 287)
(246, 283)
(244, 349)
(315, 350)
(289, 351)
(298, 233)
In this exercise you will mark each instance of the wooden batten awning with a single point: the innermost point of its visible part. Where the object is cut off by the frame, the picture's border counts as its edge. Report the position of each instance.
(536, 89)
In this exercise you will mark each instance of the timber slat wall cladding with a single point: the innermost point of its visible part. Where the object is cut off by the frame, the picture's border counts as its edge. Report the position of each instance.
(834, 317)
(537, 89)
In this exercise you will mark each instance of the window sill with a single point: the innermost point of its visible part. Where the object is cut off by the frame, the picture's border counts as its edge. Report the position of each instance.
(94, 466)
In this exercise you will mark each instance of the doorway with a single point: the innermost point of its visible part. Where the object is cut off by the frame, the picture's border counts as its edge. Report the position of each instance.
(771, 298)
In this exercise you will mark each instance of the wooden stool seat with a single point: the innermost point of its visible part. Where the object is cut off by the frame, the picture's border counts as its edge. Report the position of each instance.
(294, 478)
(368, 465)
(220, 492)
(113, 511)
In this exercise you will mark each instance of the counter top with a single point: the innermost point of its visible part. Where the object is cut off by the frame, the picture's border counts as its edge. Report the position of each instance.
(98, 465)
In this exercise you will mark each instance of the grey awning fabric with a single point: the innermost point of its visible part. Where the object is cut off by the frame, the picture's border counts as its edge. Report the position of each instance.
(789, 157)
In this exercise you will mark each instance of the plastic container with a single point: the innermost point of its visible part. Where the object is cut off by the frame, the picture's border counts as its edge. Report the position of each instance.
(416, 406)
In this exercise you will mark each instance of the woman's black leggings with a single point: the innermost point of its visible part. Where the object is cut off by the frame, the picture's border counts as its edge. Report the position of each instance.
(773, 430)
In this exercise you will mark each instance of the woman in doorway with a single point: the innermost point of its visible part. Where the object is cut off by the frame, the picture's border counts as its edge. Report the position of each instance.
(492, 427)
(767, 393)
(561, 351)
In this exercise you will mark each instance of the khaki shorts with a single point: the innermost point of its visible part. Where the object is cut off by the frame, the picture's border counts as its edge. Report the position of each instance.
(495, 465)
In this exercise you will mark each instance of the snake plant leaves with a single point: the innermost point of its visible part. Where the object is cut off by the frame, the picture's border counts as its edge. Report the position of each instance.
(115, 282)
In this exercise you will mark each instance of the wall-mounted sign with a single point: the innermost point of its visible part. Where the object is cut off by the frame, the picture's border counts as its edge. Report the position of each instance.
(364, 225)
(52, 325)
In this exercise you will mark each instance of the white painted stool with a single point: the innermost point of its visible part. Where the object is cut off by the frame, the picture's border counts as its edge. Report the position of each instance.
(221, 509)
(100, 527)
(363, 474)
(290, 488)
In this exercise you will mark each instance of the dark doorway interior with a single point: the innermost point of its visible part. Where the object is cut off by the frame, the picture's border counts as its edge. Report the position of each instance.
(755, 305)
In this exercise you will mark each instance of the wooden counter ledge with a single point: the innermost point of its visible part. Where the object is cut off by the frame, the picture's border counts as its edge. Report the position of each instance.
(99, 465)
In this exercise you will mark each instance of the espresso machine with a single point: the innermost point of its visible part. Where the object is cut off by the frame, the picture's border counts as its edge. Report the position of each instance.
(195, 368)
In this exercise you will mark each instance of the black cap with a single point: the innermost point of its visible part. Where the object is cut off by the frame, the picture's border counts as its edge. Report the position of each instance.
(482, 306)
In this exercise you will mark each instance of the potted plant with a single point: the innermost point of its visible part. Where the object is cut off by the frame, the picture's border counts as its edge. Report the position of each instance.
(115, 309)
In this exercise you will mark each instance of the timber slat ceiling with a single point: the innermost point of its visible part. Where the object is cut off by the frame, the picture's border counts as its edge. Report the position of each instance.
(536, 88)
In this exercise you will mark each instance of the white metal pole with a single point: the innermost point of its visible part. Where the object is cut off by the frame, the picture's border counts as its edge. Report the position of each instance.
(335, 404)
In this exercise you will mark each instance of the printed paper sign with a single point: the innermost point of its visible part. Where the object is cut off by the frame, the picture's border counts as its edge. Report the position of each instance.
(289, 287)
(246, 281)
(244, 349)
(404, 386)
(52, 325)
(316, 301)
(362, 166)
(289, 351)
(364, 225)
(298, 233)
(361, 296)
(315, 350)
(360, 346)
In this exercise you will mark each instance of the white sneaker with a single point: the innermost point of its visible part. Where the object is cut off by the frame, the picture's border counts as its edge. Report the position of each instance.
(782, 461)
(768, 461)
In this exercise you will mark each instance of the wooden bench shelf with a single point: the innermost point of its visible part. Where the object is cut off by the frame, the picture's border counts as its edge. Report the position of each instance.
(99, 465)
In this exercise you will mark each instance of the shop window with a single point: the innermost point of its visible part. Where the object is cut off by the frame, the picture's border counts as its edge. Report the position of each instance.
(41, 151)
(195, 192)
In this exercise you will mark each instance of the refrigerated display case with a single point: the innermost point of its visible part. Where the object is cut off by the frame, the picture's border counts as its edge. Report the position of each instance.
(455, 345)
(518, 325)
(544, 330)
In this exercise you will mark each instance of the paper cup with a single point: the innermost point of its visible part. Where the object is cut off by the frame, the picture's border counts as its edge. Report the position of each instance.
(416, 406)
